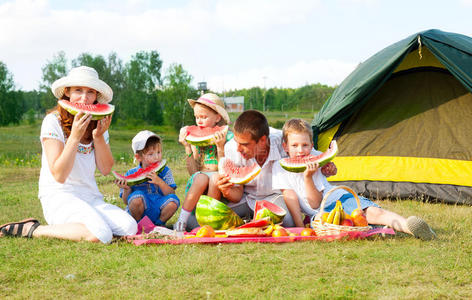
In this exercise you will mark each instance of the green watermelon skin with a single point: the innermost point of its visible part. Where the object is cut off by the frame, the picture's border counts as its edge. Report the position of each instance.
(298, 165)
(265, 209)
(215, 213)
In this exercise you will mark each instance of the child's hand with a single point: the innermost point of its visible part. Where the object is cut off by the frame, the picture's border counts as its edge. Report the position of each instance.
(154, 178)
(102, 126)
(311, 169)
(122, 184)
(220, 139)
(182, 135)
(329, 169)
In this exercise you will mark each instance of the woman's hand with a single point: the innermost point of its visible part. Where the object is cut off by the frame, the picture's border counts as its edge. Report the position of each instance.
(79, 125)
(102, 126)
(311, 169)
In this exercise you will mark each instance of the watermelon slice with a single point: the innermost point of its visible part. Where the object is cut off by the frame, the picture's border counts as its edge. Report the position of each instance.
(98, 111)
(265, 209)
(261, 223)
(298, 164)
(141, 175)
(203, 136)
(215, 213)
(246, 232)
(238, 174)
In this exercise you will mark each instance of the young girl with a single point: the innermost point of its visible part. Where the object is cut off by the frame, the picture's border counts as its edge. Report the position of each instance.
(305, 191)
(73, 147)
(202, 162)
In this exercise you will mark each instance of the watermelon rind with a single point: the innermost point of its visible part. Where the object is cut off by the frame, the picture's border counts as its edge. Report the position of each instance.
(205, 140)
(251, 171)
(298, 166)
(135, 179)
(105, 109)
(265, 209)
(218, 215)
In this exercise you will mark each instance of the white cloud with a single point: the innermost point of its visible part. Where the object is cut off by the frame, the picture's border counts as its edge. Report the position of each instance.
(330, 72)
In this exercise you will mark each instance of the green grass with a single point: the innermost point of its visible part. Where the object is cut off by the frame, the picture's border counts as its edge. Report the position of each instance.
(391, 268)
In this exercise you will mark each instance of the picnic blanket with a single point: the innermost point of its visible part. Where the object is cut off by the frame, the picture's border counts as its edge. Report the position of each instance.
(147, 228)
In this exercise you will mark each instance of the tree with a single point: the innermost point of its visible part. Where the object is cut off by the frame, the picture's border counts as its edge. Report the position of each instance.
(53, 70)
(11, 102)
(176, 91)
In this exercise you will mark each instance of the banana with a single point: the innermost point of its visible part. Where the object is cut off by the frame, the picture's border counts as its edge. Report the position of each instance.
(332, 213)
(268, 230)
(337, 217)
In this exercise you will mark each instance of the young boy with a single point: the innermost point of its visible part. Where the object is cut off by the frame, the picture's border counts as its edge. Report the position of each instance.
(155, 198)
(303, 192)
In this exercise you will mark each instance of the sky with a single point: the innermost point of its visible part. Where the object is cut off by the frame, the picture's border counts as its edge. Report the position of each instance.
(230, 44)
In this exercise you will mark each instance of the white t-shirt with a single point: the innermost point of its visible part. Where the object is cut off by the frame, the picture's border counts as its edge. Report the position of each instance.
(260, 188)
(81, 180)
(285, 180)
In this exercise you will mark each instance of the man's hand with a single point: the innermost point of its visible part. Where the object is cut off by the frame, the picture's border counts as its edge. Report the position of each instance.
(329, 169)
(224, 185)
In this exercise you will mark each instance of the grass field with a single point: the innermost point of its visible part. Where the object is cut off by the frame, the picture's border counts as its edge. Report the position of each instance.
(385, 268)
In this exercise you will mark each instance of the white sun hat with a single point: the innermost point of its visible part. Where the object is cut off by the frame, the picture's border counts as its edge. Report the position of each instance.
(139, 141)
(214, 102)
(83, 76)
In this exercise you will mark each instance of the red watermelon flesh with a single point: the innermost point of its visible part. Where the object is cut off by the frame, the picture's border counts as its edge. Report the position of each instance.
(141, 175)
(98, 111)
(203, 136)
(257, 223)
(238, 174)
(298, 164)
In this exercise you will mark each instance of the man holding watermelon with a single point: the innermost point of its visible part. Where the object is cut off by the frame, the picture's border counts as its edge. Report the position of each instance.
(254, 142)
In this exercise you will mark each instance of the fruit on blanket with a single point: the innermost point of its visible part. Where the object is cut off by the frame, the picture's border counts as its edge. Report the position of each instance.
(264, 209)
(245, 232)
(141, 175)
(298, 164)
(257, 223)
(347, 222)
(238, 174)
(205, 231)
(359, 218)
(268, 230)
(98, 111)
(203, 136)
(279, 231)
(215, 213)
(307, 232)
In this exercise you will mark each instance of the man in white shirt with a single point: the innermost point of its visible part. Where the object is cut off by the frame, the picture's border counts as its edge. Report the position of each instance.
(254, 142)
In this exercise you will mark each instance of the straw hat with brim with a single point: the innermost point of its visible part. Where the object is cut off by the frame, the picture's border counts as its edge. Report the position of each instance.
(214, 102)
(83, 76)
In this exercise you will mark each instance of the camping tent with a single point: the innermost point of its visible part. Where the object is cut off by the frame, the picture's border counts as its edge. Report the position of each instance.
(403, 121)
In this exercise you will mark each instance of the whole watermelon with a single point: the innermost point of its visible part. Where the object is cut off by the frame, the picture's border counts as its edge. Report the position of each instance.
(216, 214)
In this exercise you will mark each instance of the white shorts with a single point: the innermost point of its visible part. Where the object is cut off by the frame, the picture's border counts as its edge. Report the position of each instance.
(102, 219)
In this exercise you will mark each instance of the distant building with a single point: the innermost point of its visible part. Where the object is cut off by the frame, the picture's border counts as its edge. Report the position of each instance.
(234, 104)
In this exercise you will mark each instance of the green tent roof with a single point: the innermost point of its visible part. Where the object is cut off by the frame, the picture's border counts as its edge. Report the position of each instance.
(453, 50)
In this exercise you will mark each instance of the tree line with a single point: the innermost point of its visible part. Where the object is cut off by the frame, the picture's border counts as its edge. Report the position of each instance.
(141, 93)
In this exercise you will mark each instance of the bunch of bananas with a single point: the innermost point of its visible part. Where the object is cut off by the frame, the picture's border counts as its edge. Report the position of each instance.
(337, 216)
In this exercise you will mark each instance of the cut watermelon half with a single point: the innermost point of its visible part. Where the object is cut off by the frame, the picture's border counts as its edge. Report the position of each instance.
(141, 175)
(264, 209)
(98, 111)
(298, 164)
(203, 136)
(238, 174)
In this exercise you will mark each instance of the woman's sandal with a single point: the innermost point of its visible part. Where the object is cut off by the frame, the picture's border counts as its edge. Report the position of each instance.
(15, 229)
(420, 228)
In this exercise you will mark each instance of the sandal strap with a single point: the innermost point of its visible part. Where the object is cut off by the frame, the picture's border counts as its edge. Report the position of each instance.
(33, 228)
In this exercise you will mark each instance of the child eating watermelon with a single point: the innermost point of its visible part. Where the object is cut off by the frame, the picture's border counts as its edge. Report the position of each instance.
(155, 198)
(303, 192)
(202, 160)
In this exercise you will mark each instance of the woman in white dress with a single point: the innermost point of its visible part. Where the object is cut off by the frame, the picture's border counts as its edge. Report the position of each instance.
(73, 147)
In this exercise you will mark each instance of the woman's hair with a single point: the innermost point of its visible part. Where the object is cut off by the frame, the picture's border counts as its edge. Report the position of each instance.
(253, 122)
(296, 126)
(66, 119)
(222, 121)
